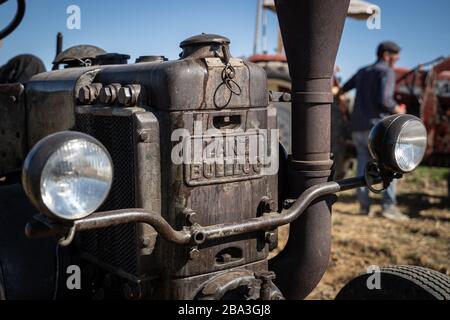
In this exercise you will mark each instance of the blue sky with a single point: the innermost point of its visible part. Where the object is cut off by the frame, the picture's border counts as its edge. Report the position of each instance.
(141, 27)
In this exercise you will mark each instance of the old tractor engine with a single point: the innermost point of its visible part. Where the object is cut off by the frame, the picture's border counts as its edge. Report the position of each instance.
(147, 115)
(166, 180)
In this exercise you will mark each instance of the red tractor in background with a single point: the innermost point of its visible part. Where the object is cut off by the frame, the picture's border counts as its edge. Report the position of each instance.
(425, 92)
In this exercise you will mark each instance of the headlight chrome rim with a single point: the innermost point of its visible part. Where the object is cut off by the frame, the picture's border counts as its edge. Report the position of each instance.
(414, 145)
(386, 139)
(36, 162)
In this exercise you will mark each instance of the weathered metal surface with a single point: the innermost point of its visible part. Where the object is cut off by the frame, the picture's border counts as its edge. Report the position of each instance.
(51, 99)
(187, 85)
(191, 288)
(236, 284)
(13, 146)
(217, 193)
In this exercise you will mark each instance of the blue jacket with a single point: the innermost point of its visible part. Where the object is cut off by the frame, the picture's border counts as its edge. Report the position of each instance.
(375, 86)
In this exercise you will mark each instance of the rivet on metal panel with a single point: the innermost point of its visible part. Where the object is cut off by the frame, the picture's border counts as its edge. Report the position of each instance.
(144, 136)
(194, 254)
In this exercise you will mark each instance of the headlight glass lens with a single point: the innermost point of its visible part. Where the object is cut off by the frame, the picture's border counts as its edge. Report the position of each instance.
(76, 179)
(411, 146)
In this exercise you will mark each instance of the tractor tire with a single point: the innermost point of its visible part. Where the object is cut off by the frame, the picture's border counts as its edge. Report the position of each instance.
(400, 283)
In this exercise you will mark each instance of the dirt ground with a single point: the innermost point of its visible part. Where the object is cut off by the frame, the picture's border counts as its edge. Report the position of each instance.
(360, 242)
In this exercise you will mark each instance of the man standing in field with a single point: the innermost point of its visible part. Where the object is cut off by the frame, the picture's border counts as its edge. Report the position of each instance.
(374, 101)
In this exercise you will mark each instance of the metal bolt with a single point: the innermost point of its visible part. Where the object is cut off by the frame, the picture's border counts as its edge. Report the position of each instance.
(145, 242)
(266, 276)
(127, 95)
(226, 258)
(194, 254)
(191, 216)
(286, 97)
(87, 95)
(268, 205)
(271, 238)
(288, 203)
(144, 136)
(108, 94)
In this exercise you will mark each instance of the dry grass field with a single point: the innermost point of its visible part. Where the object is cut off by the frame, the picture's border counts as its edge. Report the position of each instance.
(360, 242)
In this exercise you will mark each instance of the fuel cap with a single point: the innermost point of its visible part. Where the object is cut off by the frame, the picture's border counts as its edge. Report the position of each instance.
(112, 58)
(204, 40)
(206, 46)
(151, 59)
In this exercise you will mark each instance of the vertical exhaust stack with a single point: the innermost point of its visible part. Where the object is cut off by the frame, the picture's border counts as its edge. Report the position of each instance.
(311, 31)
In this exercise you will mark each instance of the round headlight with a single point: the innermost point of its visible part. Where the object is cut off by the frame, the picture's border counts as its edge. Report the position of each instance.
(68, 175)
(399, 143)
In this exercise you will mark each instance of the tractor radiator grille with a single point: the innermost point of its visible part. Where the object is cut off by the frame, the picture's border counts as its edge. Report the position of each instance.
(114, 246)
